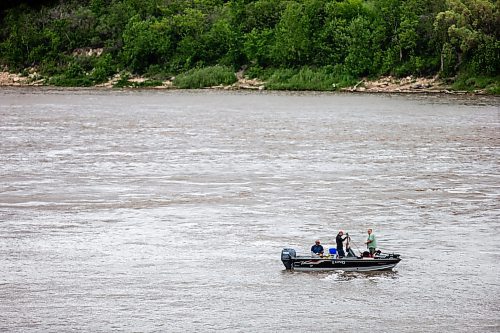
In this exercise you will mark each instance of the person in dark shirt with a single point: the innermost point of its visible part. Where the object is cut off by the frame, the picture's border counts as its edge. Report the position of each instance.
(340, 243)
(317, 248)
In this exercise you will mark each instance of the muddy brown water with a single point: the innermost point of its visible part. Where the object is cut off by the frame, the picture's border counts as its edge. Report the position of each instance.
(166, 211)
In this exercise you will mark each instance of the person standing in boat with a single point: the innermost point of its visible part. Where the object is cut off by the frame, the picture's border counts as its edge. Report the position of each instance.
(340, 243)
(371, 242)
(317, 249)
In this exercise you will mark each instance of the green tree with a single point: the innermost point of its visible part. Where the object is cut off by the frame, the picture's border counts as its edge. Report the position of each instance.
(415, 39)
(146, 43)
(222, 44)
(360, 54)
(292, 37)
(257, 47)
(262, 15)
(188, 28)
(332, 40)
(462, 28)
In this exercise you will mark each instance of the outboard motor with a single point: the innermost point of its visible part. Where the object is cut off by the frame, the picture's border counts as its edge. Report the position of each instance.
(286, 257)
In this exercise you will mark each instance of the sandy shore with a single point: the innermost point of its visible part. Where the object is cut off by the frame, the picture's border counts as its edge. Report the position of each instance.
(409, 84)
(386, 84)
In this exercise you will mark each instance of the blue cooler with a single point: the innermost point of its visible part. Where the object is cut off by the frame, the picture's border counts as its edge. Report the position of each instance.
(332, 250)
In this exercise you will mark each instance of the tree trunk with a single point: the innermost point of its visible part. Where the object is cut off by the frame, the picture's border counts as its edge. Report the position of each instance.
(442, 59)
(459, 62)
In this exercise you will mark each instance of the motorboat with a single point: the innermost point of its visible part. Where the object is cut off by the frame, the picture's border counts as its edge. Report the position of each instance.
(331, 262)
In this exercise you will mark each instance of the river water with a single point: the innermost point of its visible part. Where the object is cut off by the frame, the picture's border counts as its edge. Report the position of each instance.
(161, 211)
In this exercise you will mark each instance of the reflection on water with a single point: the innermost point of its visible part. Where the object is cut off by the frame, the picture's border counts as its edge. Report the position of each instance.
(167, 211)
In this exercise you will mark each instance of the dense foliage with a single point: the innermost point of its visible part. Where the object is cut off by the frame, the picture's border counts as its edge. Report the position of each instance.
(321, 41)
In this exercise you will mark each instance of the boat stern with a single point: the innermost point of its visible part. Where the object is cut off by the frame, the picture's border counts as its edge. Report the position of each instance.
(287, 256)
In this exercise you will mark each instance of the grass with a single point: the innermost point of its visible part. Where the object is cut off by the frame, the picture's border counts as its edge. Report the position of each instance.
(205, 77)
(471, 83)
(321, 79)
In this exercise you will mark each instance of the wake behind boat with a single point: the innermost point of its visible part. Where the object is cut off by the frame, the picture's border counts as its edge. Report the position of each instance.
(349, 263)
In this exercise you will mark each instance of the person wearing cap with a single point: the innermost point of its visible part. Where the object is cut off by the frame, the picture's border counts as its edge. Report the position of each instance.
(317, 248)
(371, 242)
(340, 243)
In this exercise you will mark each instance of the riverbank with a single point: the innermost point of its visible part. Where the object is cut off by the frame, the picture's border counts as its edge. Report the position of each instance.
(386, 84)
(409, 84)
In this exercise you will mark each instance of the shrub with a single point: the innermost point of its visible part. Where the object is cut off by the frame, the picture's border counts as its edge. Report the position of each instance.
(307, 79)
(205, 77)
(157, 72)
(103, 69)
(466, 81)
(73, 76)
(257, 72)
(147, 83)
(123, 81)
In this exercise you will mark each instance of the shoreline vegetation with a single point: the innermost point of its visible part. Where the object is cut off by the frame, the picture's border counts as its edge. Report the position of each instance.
(387, 84)
(400, 46)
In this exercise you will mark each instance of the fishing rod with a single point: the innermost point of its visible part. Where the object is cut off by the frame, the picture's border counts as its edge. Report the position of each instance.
(349, 241)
